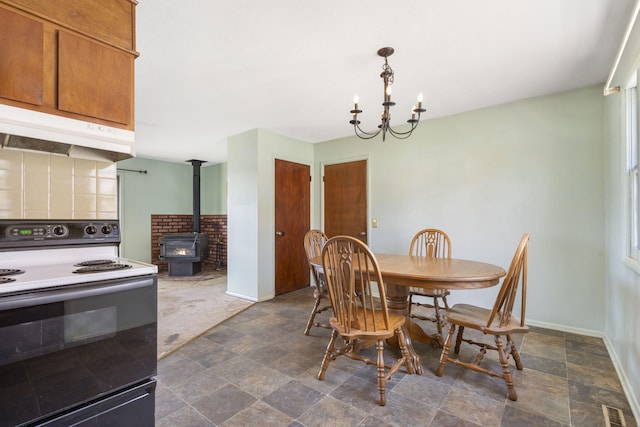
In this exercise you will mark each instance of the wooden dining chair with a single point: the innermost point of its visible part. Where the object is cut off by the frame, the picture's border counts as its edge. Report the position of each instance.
(498, 322)
(360, 314)
(314, 240)
(435, 243)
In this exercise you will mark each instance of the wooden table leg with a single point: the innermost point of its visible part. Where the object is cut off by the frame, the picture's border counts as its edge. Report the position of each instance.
(397, 302)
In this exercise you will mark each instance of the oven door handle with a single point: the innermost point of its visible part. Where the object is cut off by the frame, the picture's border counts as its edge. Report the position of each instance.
(48, 296)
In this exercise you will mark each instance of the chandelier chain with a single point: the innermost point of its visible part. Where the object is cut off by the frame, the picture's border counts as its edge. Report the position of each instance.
(387, 71)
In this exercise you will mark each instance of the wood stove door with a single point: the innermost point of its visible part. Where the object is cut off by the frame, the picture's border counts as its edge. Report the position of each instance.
(292, 211)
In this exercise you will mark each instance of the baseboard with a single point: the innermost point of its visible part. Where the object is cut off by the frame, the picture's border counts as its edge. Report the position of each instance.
(244, 297)
(564, 328)
(626, 385)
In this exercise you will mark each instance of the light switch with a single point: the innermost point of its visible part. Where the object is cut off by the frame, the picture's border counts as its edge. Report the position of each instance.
(374, 223)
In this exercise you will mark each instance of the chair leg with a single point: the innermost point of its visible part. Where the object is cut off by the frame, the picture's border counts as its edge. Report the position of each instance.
(436, 307)
(437, 318)
(327, 355)
(514, 352)
(312, 316)
(441, 322)
(444, 300)
(382, 382)
(508, 379)
(444, 356)
(459, 339)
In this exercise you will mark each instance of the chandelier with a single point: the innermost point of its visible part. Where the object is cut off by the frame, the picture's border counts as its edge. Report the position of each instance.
(385, 125)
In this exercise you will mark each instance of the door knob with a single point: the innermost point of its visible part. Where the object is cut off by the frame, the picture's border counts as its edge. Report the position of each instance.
(280, 233)
(363, 233)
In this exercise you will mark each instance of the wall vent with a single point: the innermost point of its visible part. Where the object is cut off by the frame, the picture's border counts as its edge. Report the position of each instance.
(613, 417)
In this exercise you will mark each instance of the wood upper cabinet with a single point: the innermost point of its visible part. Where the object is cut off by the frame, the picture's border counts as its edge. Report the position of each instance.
(21, 58)
(73, 58)
(94, 80)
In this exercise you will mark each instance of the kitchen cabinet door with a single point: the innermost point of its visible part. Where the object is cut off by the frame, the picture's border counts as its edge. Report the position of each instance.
(94, 80)
(21, 58)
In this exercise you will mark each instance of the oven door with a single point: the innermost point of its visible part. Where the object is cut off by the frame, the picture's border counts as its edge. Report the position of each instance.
(65, 347)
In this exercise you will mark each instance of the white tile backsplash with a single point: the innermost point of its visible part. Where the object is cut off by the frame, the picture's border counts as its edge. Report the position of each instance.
(37, 185)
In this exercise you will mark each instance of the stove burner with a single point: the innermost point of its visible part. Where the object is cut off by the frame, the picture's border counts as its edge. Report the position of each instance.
(10, 272)
(102, 267)
(6, 280)
(94, 262)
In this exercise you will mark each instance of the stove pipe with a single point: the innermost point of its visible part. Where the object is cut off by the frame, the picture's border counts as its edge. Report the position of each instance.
(196, 194)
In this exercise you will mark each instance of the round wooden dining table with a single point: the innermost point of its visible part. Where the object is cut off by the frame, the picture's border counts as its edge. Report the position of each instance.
(399, 272)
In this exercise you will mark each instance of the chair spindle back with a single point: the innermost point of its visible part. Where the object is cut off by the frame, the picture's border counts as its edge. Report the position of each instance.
(314, 241)
(353, 277)
(508, 291)
(431, 242)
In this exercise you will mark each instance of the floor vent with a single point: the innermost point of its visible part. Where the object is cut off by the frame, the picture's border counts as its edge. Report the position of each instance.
(613, 417)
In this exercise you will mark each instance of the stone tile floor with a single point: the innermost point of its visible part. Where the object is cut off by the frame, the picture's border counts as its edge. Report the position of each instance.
(258, 368)
(189, 306)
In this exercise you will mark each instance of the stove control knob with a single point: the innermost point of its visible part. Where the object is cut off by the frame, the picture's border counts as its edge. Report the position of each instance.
(90, 229)
(59, 230)
(106, 229)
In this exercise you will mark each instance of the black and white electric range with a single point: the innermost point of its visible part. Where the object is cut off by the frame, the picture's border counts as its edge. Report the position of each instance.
(78, 326)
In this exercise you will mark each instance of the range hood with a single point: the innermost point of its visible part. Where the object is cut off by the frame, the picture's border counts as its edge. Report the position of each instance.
(31, 130)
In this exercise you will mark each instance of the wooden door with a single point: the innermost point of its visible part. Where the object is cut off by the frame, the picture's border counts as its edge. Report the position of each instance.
(292, 212)
(345, 199)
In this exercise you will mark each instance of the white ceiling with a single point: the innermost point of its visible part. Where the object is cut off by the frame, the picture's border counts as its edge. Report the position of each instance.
(209, 69)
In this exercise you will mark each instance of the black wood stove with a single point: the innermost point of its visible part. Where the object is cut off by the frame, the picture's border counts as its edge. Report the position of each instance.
(185, 252)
